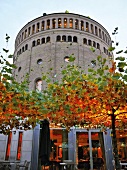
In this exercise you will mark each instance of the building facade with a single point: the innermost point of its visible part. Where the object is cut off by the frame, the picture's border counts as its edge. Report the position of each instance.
(45, 45)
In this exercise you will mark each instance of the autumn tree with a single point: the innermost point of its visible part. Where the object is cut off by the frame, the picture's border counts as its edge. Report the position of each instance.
(94, 100)
(19, 108)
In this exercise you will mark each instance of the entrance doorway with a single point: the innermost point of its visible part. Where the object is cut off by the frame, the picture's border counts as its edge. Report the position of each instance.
(90, 152)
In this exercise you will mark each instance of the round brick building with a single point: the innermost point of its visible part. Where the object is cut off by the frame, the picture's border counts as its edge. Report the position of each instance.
(47, 42)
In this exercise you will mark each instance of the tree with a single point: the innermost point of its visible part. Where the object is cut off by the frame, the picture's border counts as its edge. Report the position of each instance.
(95, 100)
(19, 108)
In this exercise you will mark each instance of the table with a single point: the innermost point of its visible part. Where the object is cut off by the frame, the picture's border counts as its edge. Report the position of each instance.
(68, 165)
(8, 164)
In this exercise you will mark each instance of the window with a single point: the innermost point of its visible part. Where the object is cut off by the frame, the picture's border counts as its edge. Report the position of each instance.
(71, 23)
(33, 29)
(26, 47)
(74, 39)
(39, 61)
(94, 44)
(8, 146)
(38, 85)
(76, 24)
(25, 33)
(58, 38)
(66, 59)
(59, 22)
(85, 41)
(64, 38)
(43, 40)
(48, 39)
(69, 38)
(19, 69)
(98, 46)
(38, 27)
(65, 22)
(92, 30)
(29, 31)
(96, 31)
(87, 26)
(82, 25)
(53, 23)
(48, 24)
(90, 42)
(100, 33)
(103, 35)
(38, 42)
(33, 44)
(19, 145)
(22, 36)
(22, 49)
(43, 25)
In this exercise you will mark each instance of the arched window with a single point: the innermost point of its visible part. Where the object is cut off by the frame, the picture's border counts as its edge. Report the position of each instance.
(48, 39)
(76, 24)
(71, 23)
(38, 42)
(33, 29)
(43, 40)
(103, 35)
(38, 27)
(100, 33)
(65, 22)
(19, 69)
(64, 38)
(66, 59)
(25, 33)
(74, 39)
(106, 38)
(48, 24)
(69, 38)
(22, 36)
(90, 42)
(39, 61)
(92, 30)
(29, 31)
(43, 25)
(87, 26)
(84, 41)
(58, 38)
(82, 25)
(94, 44)
(33, 43)
(98, 46)
(22, 49)
(26, 47)
(96, 31)
(53, 23)
(59, 22)
(38, 85)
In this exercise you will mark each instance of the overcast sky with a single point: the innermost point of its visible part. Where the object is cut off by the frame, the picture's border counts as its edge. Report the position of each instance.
(14, 14)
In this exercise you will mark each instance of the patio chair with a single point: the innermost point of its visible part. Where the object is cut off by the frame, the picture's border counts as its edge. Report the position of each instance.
(24, 166)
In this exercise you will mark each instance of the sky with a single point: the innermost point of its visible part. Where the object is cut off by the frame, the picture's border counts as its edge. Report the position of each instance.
(14, 14)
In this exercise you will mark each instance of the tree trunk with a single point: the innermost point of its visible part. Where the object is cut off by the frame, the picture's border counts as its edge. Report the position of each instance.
(114, 142)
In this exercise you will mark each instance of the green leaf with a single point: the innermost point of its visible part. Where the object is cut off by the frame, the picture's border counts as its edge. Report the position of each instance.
(121, 64)
(120, 58)
(5, 50)
(125, 77)
(125, 51)
(10, 56)
(71, 58)
(119, 52)
(111, 48)
(92, 49)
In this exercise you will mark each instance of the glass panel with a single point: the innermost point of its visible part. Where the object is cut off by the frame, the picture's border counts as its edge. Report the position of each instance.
(59, 145)
(83, 150)
(98, 152)
(8, 146)
(19, 146)
(122, 145)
